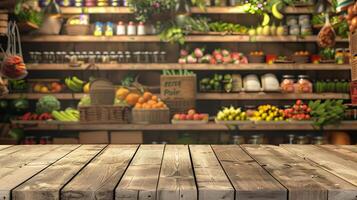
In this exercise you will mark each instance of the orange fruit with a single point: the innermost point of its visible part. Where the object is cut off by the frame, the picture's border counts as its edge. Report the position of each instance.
(151, 102)
(122, 93)
(147, 96)
(154, 98)
(44, 89)
(132, 99)
(138, 105)
(141, 100)
(160, 104)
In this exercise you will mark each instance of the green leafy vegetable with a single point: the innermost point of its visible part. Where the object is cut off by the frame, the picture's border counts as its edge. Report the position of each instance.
(47, 104)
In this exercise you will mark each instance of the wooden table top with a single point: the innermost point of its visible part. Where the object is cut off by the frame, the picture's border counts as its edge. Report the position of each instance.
(182, 172)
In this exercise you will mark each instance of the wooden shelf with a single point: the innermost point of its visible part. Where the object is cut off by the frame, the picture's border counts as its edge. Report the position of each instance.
(203, 96)
(154, 38)
(195, 10)
(162, 66)
(269, 96)
(249, 126)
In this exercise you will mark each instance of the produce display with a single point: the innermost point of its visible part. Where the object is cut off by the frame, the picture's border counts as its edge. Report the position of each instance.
(231, 114)
(218, 56)
(68, 115)
(33, 116)
(47, 104)
(191, 115)
(299, 111)
(327, 112)
(268, 113)
(217, 83)
(74, 84)
(48, 87)
(149, 101)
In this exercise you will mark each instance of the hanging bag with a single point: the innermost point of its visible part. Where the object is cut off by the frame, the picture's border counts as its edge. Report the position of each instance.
(327, 36)
(13, 66)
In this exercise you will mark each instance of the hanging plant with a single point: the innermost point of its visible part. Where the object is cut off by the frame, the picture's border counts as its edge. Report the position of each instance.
(28, 11)
(146, 9)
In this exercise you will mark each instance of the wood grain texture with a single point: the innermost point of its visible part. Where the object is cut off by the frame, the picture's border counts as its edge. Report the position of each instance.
(176, 181)
(100, 177)
(339, 165)
(47, 184)
(344, 151)
(211, 180)
(29, 163)
(2, 147)
(249, 179)
(304, 179)
(141, 178)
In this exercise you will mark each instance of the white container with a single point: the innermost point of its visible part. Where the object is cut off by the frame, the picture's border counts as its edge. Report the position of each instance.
(270, 83)
(131, 28)
(121, 28)
(141, 29)
(251, 83)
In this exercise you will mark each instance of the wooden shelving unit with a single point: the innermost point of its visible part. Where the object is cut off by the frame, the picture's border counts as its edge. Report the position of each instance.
(162, 66)
(154, 38)
(203, 96)
(195, 10)
(248, 126)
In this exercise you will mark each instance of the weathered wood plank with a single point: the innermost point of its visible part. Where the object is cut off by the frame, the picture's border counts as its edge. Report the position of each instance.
(249, 179)
(47, 184)
(339, 165)
(176, 181)
(100, 177)
(304, 179)
(2, 147)
(141, 178)
(211, 180)
(345, 152)
(13, 175)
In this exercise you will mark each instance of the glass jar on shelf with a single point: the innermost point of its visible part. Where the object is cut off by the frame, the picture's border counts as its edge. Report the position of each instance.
(105, 57)
(304, 85)
(137, 56)
(301, 139)
(163, 57)
(287, 84)
(45, 57)
(146, 57)
(51, 57)
(155, 56)
(98, 57)
(290, 139)
(113, 57)
(238, 139)
(32, 57)
(319, 140)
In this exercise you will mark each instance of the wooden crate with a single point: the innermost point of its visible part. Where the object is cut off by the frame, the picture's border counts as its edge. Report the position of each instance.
(353, 43)
(104, 114)
(354, 69)
(151, 116)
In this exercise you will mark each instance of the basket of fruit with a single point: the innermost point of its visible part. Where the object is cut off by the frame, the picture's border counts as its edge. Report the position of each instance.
(77, 25)
(180, 105)
(256, 57)
(104, 114)
(191, 117)
(301, 57)
(149, 109)
(353, 43)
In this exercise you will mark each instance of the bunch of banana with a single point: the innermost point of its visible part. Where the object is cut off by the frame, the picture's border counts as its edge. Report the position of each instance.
(74, 84)
(68, 115)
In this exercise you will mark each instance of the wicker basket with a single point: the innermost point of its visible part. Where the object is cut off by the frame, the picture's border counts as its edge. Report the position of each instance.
(102, 92)
(104, 114)
(79, 29)
(300, 59)
(353, 43)
(354, 69)
(180, 106)
(256, 59)
(151, 116)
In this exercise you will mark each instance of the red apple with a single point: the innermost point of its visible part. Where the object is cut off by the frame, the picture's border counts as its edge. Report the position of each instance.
(197, 117)
(183, 117)
(189, 117)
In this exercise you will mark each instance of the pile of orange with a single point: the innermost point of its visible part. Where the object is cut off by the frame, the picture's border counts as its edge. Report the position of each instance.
(149, 101)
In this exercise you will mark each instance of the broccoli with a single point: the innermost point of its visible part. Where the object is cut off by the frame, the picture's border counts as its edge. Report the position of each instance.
(47, 104)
